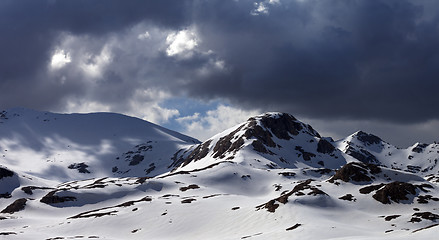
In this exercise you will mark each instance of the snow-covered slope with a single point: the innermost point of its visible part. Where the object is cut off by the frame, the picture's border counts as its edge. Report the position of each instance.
(68, 147)
(271, 177)
(268, 141)
(420, 158)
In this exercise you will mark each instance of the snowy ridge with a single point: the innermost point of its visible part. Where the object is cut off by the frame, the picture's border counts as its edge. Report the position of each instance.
(271, 177)
(420, 158)
(271, 140)
(67, 147)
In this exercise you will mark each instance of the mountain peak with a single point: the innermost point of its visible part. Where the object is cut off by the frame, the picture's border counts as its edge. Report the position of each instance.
(64, 172)
(279, 138)
(419, 147)
(367, 138)
(281, 124)
(263, 129)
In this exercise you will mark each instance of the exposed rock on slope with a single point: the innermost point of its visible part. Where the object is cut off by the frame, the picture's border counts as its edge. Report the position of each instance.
(71, 181)
(302, 189)
(357, 172)
(279, 138)
(395, 191)
(325, 147)
(5, 173)
(368, 148)
(16, 206)
(65, 147)
(368, 139)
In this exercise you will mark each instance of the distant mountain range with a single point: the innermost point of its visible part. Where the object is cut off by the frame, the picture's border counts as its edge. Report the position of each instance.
(110, 176)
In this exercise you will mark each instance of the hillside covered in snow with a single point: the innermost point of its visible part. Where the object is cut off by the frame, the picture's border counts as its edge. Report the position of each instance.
(110, 176)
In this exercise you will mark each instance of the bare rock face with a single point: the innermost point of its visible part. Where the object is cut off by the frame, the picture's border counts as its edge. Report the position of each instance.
(348, 197)
(368, 139)
(253, 130)
(5, 173)
(282, 126)
(324, 146)
(200, 152)
(395, 191)
(51, 198)
(298, 190)
(16, 206)
(305, 155)
(371, 188)
(417, 217)
(137, 155)
(225, 144)
(258, 146)
(399, 191)
(263, 130)
(419, 148)
(361, 155)
(357, 172)
(264, 134)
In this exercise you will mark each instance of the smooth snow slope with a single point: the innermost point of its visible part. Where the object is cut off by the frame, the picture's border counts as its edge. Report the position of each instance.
(56, 146)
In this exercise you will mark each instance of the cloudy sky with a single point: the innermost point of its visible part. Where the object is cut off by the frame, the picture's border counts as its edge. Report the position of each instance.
(202, 66)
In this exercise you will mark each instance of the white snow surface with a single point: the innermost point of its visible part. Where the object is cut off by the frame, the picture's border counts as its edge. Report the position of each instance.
(420, 158)
(214, 197)
(44, 144)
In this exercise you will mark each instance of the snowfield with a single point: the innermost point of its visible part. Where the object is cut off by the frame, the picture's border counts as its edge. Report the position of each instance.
(109, 176)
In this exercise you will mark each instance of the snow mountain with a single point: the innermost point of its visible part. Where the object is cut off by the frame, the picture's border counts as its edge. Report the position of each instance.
(268, 141)
(65, 147)
(420, 158)
(109, 176)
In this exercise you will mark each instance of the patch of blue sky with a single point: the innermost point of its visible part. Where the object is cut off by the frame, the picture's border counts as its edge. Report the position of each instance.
(187, 107)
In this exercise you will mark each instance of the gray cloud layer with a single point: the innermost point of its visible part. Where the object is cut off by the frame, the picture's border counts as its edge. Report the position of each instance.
(354, 59)
(31, 29)
(341, 59)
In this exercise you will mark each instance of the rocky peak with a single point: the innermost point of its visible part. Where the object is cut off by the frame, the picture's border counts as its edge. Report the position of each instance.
(357, 172)
(282, 125)
(419, 147)
(361, 146)
(366, 138)
(264, 128)
(361, 154)
(324, 146)
(267, 134)
(5, 173)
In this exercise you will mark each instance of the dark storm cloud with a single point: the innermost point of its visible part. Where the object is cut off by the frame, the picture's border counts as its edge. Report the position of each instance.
(30, 29)
(350, 59)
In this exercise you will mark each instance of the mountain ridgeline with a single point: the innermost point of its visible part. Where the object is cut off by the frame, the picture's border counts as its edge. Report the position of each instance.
(281, 139)
(270, 177)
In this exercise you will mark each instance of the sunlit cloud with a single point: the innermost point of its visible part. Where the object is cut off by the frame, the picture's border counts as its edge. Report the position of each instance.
(260, 8)
(181, 43)
(93, 65)
(59, 59)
